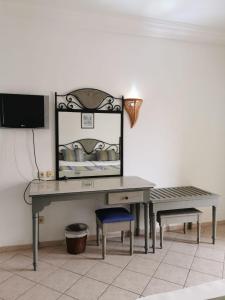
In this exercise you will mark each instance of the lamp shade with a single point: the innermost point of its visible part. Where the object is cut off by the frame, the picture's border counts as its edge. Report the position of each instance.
(132, 107)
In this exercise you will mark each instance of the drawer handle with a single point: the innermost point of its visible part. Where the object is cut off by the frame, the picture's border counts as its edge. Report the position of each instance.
(125, 198)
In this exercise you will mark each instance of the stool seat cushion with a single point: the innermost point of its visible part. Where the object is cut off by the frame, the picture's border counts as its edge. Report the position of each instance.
(113, 214)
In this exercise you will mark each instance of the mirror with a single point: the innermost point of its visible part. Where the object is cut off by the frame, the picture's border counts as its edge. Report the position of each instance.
(88, 139)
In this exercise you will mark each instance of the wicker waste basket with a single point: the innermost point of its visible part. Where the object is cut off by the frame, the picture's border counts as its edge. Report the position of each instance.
(76, 236)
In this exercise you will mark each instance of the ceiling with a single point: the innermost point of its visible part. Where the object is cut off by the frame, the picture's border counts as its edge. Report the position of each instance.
(190, 20)
(209, 13)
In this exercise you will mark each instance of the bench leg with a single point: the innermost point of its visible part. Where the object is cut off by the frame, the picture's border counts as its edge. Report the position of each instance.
(103, 246)
(161, 235)
(150, 227)
(153, 218)
(184, 228)
(146, 220)
(213, 224)
(97, 234)
(131, 238)
(122, 236)
(198, 230)
(138, 207)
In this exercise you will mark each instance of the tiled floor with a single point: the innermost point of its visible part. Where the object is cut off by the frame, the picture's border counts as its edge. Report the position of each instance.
(181, 263)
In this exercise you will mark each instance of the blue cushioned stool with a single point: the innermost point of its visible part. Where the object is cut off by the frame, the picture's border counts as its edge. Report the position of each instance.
(111, 220)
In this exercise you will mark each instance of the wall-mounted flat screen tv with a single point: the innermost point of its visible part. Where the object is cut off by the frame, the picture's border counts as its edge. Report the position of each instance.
(22, 111)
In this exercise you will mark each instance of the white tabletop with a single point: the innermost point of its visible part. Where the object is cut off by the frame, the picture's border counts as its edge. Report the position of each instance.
(91, 185)
(204, 291)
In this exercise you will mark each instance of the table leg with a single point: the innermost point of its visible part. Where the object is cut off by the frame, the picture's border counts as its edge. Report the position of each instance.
(35, 239)
(38, 229)
(146, 217)
(213, 224)
(150, 222)
(137, 230)
(153, 220)
(132, 209)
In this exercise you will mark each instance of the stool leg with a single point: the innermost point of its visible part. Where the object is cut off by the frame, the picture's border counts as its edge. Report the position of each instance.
(122, 236)
(97, 234)
(103, 244)
(184, 228)
(161, 236)
(198, 230)
(138, 207)
(131, 237)
(150, 228)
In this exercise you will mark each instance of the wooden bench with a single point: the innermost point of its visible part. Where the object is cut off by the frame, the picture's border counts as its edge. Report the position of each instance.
(177, 216)
(180, 197)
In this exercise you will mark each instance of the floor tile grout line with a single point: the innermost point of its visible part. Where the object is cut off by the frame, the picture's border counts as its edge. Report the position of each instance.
(210, 249)
(172, 250)
(63, 294)
(6, 278)
(25, 278)
(213, 260)
(123, 289)
(37, 282)
(113, 280)
(81, 277)
(105, 290)
(201, 271)
(181, 254)
(223, 267)
(167, 280)
(85, 276)
(26, 291)
(205, 259)
(42, 284)
(189, 269)
(59, 297)
(161, 280)
(210, 274)
(155, 270)
(111, 284)
(9, 257)
(173, 266)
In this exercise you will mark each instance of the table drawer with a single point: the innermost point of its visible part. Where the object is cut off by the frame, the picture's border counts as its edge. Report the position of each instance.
(125, 197)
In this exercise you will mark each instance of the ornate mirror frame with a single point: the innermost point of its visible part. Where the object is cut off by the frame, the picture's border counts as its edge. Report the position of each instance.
(89, 100)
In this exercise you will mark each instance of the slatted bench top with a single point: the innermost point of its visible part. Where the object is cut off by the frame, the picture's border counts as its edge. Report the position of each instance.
(179, 193)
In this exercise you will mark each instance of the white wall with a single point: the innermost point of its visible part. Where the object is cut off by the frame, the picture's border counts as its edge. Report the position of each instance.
(179, 138)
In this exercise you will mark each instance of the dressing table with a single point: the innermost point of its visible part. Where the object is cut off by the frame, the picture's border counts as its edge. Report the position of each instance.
(114, 190)
(89, 158)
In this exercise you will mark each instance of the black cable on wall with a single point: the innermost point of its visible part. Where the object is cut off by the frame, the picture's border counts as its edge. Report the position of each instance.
(38, 170)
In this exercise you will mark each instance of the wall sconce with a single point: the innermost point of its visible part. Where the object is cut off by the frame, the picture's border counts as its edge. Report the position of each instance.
(132, 107)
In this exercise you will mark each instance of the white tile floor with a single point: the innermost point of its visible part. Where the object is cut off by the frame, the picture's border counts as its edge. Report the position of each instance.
(181, 263)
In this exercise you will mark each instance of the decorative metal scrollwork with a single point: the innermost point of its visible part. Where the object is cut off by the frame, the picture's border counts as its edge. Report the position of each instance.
(70, 102)
(108, 104)
(88, 99)
(90, 146)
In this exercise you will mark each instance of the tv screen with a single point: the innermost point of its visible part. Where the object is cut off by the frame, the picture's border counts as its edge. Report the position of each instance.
(21, 111)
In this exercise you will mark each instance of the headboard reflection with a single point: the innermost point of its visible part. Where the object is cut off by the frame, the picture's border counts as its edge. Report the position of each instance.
(89, 134)
(88, 157)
